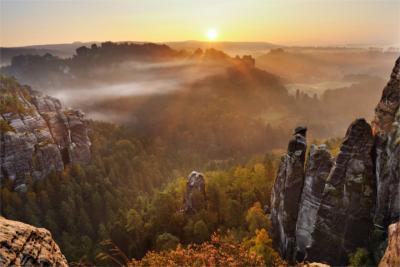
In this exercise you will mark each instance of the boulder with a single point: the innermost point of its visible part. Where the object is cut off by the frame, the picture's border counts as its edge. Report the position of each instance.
(24, 245)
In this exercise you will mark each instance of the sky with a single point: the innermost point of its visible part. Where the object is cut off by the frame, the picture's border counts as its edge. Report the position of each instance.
(286, 22)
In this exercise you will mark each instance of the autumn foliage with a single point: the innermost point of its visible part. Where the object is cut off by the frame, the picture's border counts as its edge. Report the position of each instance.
(217, 252)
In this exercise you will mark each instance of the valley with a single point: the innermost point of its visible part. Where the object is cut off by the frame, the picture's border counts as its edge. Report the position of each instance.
(154, 114)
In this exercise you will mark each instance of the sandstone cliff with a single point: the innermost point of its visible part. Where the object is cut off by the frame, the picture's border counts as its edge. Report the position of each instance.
(38, 136)
(344, 218)
(317, 171)
(343, 199)
(24, 245)
(386, 126)
(285, 200)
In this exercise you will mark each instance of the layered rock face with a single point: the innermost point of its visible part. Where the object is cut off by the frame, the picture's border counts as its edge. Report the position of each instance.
(344, 218)
(342, 199)
(317, 171)
(37, 135)
(386, 126)
(285, 198)
(24, 245)
(195, 189)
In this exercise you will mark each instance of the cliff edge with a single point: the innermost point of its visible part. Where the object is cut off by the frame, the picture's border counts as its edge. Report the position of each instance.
(37, 136)
(24, 245)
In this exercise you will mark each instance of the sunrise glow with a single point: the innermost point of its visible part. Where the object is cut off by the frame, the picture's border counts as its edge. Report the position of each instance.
(212, 34)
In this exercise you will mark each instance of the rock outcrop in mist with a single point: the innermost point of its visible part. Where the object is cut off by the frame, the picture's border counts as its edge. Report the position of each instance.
(342, 199)
(38, 136)
(24, 245)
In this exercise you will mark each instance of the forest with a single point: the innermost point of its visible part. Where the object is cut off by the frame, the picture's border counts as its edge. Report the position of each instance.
(126, 206)
(117, 198)
(199, 133)
(130, 200)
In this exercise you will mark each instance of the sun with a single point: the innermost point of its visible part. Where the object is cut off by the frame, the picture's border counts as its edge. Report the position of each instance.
(212, 34)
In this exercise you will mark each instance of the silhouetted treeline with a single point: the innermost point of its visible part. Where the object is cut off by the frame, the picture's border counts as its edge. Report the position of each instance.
(108, 62)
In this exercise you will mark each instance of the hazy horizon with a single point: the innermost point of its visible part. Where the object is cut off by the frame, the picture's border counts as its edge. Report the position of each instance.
(292, 23)
(344, 45)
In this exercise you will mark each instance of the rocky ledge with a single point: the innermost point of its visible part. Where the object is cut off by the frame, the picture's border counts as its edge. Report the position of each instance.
(24, 245)
(38, 136)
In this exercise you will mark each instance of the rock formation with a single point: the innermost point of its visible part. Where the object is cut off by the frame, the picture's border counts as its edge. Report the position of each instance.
(195, 189)
(392, 253)
(341, 202)
(386, 126)
(317, 171)
(37, 135)
(286, 196)
(344, 217)
(24, 245)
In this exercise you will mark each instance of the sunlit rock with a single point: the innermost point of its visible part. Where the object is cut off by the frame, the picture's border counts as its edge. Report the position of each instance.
(386, 126)
(392, 253)
(24, 245)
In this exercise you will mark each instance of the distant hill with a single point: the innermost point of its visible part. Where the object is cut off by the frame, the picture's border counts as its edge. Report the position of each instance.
(67, 50)
(111, 63)
(59, 50)
(308, 65)
(231, 48)
(155, 86)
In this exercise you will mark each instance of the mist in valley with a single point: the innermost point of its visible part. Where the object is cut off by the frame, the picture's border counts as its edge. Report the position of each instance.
(199, 133)
(136, 80)
(194, 97)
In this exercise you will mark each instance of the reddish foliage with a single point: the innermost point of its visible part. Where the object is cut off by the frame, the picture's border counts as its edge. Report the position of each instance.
(214, 253)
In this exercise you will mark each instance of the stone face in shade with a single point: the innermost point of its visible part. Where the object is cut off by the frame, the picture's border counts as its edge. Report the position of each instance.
(342, 201)
(344, 218)
(285, 198)
(317, 171)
